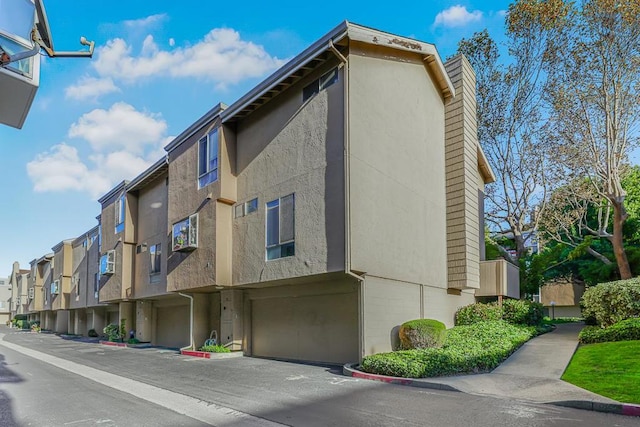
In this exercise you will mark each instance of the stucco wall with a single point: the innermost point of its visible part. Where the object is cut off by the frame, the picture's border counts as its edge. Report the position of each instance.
(194, 269)
(290, 146)
(387, 305)
(397, 186)
(151, 230)
(111, 285)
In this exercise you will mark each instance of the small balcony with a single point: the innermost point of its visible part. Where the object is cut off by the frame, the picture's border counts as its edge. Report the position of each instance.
(499, 278)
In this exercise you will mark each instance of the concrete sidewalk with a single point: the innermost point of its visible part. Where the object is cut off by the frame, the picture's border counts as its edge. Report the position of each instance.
(532, 374)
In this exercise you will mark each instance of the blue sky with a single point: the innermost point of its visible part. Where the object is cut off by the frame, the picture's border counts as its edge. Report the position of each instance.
(158, 67)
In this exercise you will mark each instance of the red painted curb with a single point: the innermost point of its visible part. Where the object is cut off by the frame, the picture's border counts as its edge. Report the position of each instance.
(382, 378)
(633, 410)
(203, 354)
(114, 344)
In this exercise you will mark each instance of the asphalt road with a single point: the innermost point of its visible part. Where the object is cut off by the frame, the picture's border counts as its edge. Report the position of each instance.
(131, 387)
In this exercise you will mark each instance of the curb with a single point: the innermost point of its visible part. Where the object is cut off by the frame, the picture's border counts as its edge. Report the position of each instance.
(350, 370)
(195, 353)
(113, 344)
(627, 409)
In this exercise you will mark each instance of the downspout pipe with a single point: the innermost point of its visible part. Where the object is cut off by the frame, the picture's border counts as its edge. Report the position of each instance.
(347, 199)
(190, 346)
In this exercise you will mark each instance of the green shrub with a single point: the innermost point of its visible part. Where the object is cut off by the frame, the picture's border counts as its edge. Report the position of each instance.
(20, 317)
(625, 330)
(133, 341)
(112, 332)
(479, 347)
(522, 312)
(478, 312)
(611, 302)
(92, 333)
(421, 333)
(215, 349)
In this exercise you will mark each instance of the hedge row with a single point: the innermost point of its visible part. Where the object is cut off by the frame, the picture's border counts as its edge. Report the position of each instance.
(472, 348)
(609, 303)
(624, 330)
(516, 312)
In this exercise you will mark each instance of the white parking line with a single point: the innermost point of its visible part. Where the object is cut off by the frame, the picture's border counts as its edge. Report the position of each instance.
(200, 410)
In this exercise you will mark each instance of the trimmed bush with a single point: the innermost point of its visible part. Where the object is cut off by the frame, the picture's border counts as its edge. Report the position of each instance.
(478, 312)
(522, 312)
(215, 349)
(611, 302)
(112, 332)
(479, 347)
(421, 333)
(625, 330)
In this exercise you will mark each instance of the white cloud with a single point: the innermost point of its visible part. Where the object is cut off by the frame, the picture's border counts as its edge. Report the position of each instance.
(124, 143)
(144, 23)
(456, 16)
(172, 42)
(502, 13)
(91, 88)
(121, 126)
(221, 57)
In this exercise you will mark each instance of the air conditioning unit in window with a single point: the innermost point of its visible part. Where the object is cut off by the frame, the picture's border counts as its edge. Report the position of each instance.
(55, 287)
(108, 263)
(185, 234)
(31, 292)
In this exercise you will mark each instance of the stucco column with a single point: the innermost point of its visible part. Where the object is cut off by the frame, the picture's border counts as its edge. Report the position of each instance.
(71, 322)
(126, 314)
(99, 320)
(144, 318)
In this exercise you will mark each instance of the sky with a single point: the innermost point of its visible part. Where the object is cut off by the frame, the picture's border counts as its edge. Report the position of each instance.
(159, 66)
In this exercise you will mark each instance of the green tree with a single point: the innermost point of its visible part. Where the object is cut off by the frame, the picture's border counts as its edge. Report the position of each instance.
(592, 63)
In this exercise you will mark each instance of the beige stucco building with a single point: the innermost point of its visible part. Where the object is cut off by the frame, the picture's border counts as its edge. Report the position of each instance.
(339, 198)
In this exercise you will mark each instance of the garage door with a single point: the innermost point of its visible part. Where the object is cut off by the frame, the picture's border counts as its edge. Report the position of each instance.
(172, 327)
(320, 328)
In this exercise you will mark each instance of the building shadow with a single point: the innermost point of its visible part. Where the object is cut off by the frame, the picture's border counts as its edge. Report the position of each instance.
(6, 409)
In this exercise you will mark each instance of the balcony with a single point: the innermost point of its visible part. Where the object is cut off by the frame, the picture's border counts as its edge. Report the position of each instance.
(499, 278)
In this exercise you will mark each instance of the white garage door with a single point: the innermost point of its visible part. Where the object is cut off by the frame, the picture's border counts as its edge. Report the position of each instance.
(320, 328)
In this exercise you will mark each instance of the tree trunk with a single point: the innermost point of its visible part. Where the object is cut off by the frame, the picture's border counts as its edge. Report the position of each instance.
(619, 216)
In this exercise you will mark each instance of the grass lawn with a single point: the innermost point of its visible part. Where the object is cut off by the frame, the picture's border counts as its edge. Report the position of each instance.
(611, 369)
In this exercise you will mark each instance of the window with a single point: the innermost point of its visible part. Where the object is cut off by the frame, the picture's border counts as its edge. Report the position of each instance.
(154, 253)
(185, 234)
(246, 208)
(108, 262)
(251, 206)
(55, 287)
(120, 214)
(208, 159)
(280, 228)
(322, 83)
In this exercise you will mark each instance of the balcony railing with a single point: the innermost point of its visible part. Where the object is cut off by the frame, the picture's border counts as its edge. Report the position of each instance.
(499, 278)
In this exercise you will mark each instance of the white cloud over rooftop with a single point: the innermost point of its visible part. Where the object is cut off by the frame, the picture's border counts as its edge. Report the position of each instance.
(456, 16)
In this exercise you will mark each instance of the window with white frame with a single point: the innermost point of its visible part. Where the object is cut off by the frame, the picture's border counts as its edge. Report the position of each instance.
(120, 214)
(280, 228)
(208, 158)
(155, 251)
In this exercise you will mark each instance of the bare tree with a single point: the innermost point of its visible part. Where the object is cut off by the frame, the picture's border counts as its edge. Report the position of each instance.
(592, 65)
(509, 120)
